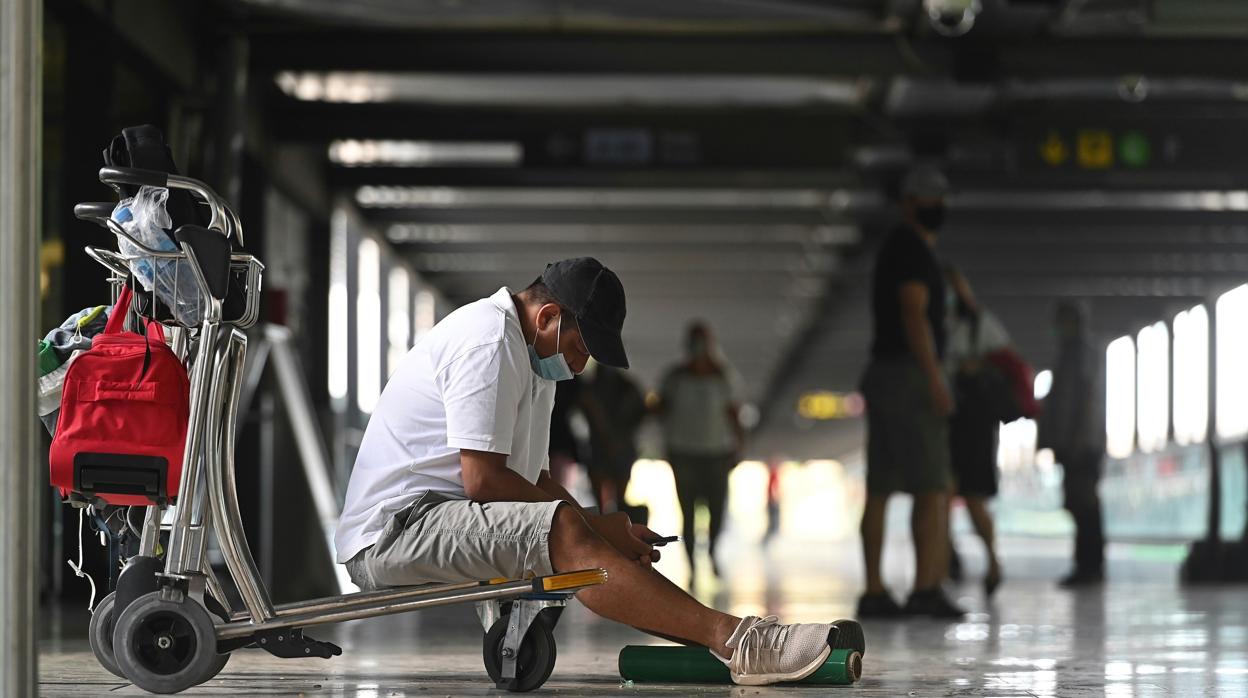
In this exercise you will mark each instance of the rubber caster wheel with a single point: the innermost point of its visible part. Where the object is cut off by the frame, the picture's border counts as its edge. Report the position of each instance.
(166, 646)
(100, 635)
(536, 658)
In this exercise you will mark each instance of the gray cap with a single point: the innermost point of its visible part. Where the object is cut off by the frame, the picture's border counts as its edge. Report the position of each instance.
(925, 182)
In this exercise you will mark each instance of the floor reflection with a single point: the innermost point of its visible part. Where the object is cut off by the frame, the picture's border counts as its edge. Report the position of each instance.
(1141, 636)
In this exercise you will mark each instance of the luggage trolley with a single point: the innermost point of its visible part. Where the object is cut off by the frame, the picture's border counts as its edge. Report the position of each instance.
(167, 626)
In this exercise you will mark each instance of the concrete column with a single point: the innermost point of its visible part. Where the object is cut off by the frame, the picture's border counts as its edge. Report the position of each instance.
(21, 117)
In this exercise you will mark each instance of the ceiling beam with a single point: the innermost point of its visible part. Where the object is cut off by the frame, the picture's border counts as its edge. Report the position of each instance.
(613, 177)
(503, 234)
(822, 55)
(790, 138)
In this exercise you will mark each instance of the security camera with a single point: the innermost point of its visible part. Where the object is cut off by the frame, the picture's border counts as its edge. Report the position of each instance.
(952, 17)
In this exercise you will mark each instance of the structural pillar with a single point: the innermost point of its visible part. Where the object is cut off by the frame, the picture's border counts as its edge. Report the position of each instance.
(21, 116)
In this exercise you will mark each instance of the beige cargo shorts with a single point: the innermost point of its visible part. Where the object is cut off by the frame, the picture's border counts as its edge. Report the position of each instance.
(442, 540)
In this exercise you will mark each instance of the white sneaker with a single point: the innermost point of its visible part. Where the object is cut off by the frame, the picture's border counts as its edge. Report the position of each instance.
(765, 652)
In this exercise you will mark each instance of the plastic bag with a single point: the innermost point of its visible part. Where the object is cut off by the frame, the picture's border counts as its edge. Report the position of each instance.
(144, 217)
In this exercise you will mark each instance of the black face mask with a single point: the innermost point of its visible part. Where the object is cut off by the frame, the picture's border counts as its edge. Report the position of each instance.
(930, 216)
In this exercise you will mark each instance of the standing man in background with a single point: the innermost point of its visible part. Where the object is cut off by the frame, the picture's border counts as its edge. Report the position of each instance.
(1072, 423)
(909, 402)
(699, 408)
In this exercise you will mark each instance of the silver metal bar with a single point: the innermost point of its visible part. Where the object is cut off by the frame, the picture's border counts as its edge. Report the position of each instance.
(228, 374)
(257, 359)
(481, 593)
(205, 193)
(367, 598)
(215, 588)
(522, 616)
(149, 537)
(106, 258)
(21, 117)
(197, 270)
(176, 561)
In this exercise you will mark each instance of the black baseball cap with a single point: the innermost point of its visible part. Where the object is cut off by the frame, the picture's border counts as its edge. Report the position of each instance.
(595, 296)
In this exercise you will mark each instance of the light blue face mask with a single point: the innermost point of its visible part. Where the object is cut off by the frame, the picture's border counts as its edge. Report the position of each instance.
(554, 367)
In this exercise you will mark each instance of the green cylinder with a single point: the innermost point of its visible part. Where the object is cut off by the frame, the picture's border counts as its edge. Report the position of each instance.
(678, 664)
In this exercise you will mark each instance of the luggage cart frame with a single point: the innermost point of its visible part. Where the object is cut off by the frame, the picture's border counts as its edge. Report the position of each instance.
(167, 628)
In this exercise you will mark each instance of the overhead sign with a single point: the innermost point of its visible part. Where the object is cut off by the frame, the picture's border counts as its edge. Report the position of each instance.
(1095, 149)
(1054, 150)
(1074, 143)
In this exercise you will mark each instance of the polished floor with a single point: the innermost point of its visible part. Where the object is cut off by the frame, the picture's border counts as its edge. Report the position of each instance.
(1140, 635)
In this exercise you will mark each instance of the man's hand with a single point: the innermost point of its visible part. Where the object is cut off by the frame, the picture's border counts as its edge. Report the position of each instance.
(618, 530)
(644, 534)
(942, 399)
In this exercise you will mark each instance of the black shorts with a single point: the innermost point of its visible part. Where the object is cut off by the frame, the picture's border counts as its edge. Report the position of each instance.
(907, 441)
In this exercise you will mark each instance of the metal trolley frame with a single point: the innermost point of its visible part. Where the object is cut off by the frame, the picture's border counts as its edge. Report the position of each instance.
(166, 627)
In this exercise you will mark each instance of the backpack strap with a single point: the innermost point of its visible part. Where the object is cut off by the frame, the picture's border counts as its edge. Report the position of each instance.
(117, 320)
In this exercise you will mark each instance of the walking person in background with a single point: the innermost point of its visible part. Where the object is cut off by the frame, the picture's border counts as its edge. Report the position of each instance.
(973, 332)
(1072, 424)
(699, 408)
(909, 402)
(564, 453)
(615, 408)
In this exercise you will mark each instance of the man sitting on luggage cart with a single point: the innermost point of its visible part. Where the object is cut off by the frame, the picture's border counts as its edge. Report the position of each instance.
(452, 480)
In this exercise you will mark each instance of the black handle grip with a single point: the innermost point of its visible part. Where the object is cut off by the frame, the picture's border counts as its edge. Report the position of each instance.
(94, 211)
(134, 176)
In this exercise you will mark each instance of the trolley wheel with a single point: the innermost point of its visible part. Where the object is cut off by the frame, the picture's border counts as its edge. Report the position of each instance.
(166, 646)
(100, 635)
(536, 659)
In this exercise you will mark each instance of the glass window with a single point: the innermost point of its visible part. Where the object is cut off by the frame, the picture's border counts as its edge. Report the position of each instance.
(1120, 397)
(1191, 375)
(368, 326)
(338, 341)
(425, 316)
(399, 326)
(1152, 406)
(1232, 371)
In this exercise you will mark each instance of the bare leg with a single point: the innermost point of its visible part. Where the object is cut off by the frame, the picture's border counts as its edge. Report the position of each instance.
(930, 527)
(981, 518)
(873, 540)
(635, 595)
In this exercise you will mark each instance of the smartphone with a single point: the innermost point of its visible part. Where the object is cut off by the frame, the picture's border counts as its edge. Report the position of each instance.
(660, 542)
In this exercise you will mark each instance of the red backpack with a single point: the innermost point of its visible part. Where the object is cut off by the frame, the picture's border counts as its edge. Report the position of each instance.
(124, 412)
(1021, 378)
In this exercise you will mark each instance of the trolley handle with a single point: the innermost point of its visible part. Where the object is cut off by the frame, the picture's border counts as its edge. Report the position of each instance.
(95, 211)
(222, 218)
(134, 177)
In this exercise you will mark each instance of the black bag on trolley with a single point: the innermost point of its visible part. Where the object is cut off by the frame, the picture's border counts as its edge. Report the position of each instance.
(144, 147)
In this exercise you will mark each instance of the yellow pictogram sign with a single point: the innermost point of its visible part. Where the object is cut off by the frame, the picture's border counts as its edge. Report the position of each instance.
(1095, 149)
(1053, 150)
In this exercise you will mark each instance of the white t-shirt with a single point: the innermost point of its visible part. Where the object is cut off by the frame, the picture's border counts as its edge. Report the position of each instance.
(696, 420)
(466, 384)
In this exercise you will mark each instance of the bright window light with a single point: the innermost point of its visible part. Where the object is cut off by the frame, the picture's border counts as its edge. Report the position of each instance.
(368, 326)
(1153, 387)
(1120, 397)
(1232, 371)
(426, 313)
(1043, 384)
(1016, 445)
(1191, 375)
(338, 341)
(425, 153)
(399, 327)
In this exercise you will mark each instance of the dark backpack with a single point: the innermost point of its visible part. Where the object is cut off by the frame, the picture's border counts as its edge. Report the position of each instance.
(144, 147)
